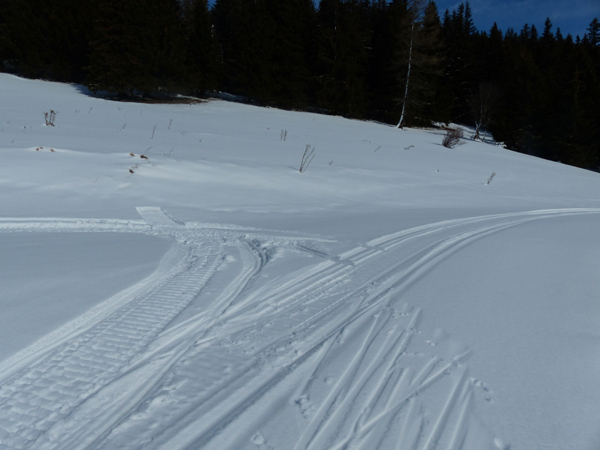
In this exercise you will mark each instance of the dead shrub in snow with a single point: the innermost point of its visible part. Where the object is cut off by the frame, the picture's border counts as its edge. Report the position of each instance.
(452, 137)
(50, 117)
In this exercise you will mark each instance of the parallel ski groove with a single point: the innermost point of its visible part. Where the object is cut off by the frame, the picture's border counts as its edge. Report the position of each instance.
(253, 352)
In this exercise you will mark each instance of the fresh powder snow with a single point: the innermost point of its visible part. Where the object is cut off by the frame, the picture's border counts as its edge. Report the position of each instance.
(170, 280)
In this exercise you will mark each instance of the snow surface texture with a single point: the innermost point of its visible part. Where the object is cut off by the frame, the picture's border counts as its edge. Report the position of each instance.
(209, 296)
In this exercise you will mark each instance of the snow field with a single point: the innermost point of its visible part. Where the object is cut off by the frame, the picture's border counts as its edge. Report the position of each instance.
(388, 300)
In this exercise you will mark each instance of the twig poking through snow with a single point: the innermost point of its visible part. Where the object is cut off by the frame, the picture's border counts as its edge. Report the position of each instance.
(491, 178)
(50, 117)
(307, 157)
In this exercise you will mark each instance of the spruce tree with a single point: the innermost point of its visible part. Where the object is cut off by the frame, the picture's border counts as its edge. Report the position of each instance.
(344, 40)
(245, 35)
(46, 39)
(460, 77)
(136, 47)
(381, 79)
(431, 68)
(580, 139)
(296, 52)
(202, 55)
(593, 33)
(6, 50)
(492, 61)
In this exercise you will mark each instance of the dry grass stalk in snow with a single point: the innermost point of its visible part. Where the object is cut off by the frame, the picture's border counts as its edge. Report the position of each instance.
(50, 117)
(307, 157)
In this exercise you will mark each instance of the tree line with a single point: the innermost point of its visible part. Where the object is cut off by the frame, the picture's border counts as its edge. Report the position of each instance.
(399, 62)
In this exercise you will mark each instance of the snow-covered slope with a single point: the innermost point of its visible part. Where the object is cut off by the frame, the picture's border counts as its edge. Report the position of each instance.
(209, 296)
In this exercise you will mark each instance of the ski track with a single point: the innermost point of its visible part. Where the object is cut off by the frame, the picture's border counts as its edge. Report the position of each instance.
(331, 350)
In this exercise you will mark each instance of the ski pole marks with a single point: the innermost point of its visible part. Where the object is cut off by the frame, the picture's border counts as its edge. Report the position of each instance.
(334, 349)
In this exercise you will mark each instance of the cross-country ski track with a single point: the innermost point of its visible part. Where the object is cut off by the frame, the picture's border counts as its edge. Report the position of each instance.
(262, 354)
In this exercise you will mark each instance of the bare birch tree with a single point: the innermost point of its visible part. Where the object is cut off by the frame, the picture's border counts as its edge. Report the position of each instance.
(482, 103)
(418, 57)
(415, 10)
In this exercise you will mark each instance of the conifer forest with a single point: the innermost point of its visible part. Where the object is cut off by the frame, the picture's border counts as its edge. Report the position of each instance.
(402, 62)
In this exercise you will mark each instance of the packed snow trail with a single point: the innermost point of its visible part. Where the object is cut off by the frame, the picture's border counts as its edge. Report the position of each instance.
(328, 353)
(40, 396)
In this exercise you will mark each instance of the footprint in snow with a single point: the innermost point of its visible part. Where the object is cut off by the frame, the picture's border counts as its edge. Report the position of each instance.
(258, 439)
(486, 390)
(305, 405)
(501, 445)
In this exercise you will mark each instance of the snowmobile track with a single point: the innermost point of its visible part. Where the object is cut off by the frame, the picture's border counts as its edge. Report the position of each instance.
(239, 355)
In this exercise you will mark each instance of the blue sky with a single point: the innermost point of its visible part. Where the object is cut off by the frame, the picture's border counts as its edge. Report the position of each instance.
(571, 16)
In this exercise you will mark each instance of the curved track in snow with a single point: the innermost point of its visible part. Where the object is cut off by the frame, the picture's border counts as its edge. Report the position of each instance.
(327, 353)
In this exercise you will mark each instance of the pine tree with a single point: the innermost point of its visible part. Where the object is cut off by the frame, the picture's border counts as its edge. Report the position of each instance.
(6, 45)
(344, 40)
(120, 59)
(559, 36)
(460, 76)
(514, 121)
(493, 56)
(268, 48)
(547, 33)
(137, 47)
(581, 137)
(379, 76)
(430, 72)
(593, 33)
(245, 34)
(230, 20)
(294, 50)
(46, 39)
(525, 33)
(533, 34)
(202, 52)
(468, 23)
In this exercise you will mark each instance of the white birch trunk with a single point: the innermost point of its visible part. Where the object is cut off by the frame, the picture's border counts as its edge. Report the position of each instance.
(412, 36)
(477, 128)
